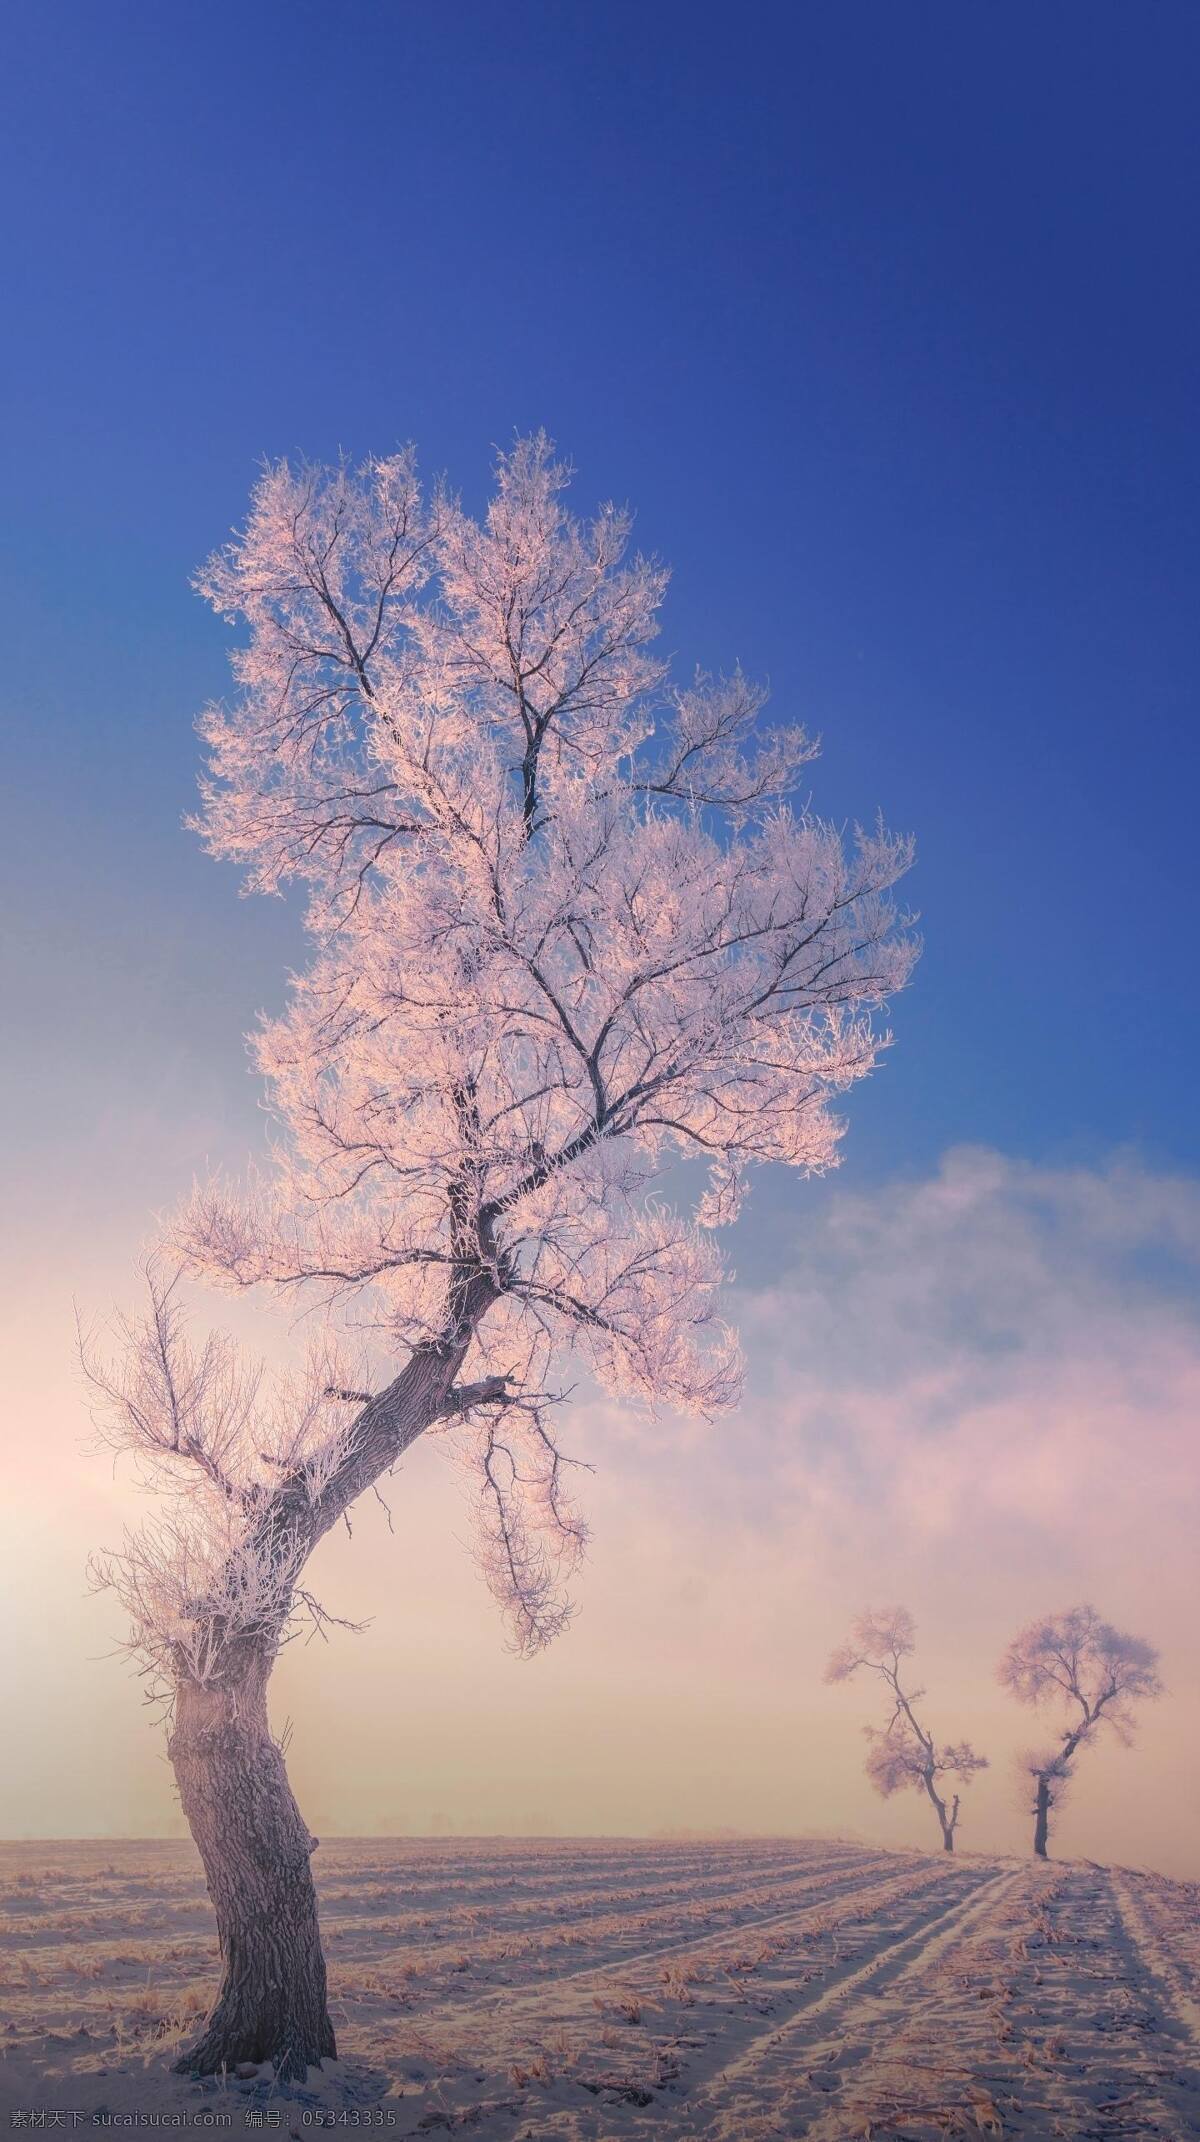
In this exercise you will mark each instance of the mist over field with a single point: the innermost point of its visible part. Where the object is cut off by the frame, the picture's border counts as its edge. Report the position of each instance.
(978, 1389)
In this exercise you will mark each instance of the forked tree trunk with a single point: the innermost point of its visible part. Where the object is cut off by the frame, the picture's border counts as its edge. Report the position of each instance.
(1041, 1818)
(256, 1851)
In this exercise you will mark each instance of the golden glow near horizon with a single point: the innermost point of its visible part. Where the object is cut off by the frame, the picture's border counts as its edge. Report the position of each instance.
(955, 1400)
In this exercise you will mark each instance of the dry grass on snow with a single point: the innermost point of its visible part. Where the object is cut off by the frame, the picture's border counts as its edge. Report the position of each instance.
(724, 1992)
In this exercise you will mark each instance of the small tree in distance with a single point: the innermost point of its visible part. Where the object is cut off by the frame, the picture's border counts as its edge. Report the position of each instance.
(568, 924)
(903, 1756)
(1092, 1674)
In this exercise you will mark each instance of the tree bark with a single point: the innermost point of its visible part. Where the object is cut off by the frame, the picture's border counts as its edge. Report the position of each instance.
(256, 1851)
(1041, 1823)
(939, 1807)
(233, 1786)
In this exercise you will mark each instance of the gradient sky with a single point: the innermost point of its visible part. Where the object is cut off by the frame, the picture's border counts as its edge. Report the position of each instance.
(887, 322)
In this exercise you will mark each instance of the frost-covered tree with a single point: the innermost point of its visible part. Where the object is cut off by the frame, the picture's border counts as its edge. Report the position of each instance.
(568, 925)
(902, 1756)
(1092, 1675)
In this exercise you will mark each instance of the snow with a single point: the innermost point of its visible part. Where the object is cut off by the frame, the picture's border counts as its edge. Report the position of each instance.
(724, 1991)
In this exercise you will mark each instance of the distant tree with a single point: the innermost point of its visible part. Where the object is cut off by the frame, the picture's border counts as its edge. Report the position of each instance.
(1093, 1675)
(567, 926)
(902, 1756)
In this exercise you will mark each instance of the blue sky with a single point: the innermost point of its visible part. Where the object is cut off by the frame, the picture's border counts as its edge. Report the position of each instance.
(886, 321)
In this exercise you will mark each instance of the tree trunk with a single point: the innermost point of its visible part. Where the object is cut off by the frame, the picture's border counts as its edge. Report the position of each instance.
(231, 1777)
(256, 1852)
(939, 1808)
(1041, 1825)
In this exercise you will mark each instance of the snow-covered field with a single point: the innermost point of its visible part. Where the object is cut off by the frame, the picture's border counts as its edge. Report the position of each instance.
(609, 1989)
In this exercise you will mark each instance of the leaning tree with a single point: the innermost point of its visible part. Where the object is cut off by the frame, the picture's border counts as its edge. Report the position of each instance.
(568, 930)
(1092, 1674)
(902, 1756)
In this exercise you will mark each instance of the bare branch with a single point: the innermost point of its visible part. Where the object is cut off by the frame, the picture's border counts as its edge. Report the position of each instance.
(1092, 1675)
(903, 1756)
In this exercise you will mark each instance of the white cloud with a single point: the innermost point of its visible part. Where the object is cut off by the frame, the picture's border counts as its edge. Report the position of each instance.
(977, 1393)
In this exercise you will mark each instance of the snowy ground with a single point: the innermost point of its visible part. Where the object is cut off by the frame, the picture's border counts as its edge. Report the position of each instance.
(607, 1990)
